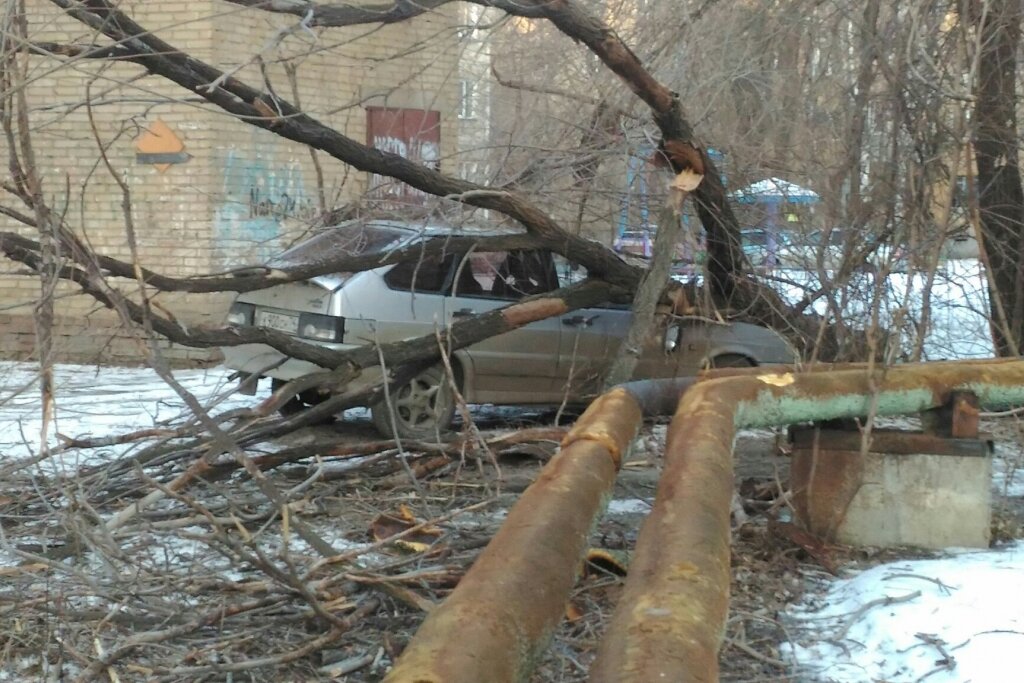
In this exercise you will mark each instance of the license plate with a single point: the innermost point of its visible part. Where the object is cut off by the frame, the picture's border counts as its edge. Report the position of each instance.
(278, 321)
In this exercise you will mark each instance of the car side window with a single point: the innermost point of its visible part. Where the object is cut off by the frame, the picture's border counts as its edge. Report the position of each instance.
(428, 275)
(568, 273)
(505, 275)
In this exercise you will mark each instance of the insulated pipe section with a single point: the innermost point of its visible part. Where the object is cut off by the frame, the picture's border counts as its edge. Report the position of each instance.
(661, 396)
(670, 619)
(500, 617)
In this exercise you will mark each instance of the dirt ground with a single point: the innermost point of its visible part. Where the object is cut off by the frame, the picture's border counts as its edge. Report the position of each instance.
(210, 583)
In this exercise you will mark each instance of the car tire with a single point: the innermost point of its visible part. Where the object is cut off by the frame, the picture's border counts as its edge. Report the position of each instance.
(731, 360)
(423, 408)
(296, 404)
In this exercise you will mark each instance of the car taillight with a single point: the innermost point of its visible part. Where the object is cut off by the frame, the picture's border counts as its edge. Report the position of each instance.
(321, 327)
(241, 314)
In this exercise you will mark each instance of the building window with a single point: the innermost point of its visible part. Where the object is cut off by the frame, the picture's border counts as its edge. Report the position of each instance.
(467, 99)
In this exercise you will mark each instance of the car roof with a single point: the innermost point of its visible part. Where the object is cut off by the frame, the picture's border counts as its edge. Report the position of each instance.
(409, 232)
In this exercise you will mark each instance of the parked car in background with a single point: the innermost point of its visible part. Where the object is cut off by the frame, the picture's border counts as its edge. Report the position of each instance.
(961, 245)
(562, 359)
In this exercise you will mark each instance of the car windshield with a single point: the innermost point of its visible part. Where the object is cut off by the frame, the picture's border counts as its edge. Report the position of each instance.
(350, 240)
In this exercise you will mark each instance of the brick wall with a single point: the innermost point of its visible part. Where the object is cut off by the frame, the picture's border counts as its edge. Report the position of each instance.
(243, 193)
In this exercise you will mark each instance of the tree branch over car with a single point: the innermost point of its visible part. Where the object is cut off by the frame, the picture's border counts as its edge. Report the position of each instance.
(726, 266)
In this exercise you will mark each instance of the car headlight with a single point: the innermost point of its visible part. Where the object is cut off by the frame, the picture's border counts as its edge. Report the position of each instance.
(321, 327)
(241, 314)
(671, 338)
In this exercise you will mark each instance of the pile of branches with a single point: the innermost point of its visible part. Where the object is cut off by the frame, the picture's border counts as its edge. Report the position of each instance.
(179, 560)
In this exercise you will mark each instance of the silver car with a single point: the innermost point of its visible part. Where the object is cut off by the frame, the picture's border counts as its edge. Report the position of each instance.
(559, 360)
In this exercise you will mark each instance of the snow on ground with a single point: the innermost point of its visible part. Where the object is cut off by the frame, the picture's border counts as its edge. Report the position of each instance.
(955, 619)
(957, 303)
(949, 620)
(97, 402)
(1008, 469)
(629, 506)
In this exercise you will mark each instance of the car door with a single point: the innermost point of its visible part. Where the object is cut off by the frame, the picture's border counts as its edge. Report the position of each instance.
(592, 339)
(587, 347)
(655, 359)
(519, 366)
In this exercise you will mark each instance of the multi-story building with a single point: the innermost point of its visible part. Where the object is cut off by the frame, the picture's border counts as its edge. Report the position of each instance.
(208, 191)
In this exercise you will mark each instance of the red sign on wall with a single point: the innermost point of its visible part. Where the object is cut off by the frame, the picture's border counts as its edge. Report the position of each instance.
(411, 133)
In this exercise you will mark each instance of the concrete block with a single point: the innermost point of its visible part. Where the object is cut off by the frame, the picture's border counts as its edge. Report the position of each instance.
(907, 489)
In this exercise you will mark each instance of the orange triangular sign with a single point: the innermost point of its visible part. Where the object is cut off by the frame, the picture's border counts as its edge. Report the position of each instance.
(159, 143)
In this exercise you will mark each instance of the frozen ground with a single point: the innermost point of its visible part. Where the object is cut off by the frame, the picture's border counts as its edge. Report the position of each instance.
(949, 620)
(98, 402)
(957, 326)
(968, 606)
(957, 618)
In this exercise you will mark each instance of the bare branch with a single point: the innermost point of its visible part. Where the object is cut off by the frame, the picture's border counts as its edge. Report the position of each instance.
(250, 278)
(314, 14)
(136, 44)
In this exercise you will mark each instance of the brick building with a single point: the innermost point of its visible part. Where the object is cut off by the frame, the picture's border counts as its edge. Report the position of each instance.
(208, 191)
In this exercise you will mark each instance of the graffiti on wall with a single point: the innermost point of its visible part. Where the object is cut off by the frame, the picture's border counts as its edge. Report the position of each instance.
(414, 134)
(258, 194)
(283, 205)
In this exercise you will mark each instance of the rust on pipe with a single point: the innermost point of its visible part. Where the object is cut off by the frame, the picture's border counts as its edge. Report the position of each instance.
(673, 608)
(670, 619)
(499, 618)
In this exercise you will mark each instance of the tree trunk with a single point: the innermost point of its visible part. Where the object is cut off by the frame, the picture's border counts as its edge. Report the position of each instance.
(1000, 196)
(648, 292)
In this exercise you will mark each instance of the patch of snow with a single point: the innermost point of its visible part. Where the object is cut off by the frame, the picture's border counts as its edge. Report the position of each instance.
(957, 304)
(948, 620)
(759, 433)
(629, 506)
(97, 402)
(1007, 466)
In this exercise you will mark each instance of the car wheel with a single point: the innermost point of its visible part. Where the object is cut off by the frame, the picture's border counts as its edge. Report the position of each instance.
(731, 360)
(297, 403)
(423, 408)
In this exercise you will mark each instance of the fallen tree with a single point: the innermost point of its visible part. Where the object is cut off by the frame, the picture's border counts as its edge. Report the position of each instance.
(733, 288)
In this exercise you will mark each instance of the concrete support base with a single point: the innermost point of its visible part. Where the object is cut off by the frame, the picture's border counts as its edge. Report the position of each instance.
(908, 489)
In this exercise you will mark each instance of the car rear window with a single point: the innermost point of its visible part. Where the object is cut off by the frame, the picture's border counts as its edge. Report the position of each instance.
(350, 240)
(428, 274)
(506, 275)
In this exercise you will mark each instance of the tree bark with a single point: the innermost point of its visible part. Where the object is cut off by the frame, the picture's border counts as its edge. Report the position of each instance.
(646, 301)
(852, 170)
(251, 278)
(1000, 195)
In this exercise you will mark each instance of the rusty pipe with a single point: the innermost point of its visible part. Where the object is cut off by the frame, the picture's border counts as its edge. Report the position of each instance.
(670, 619)
(499, 618)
